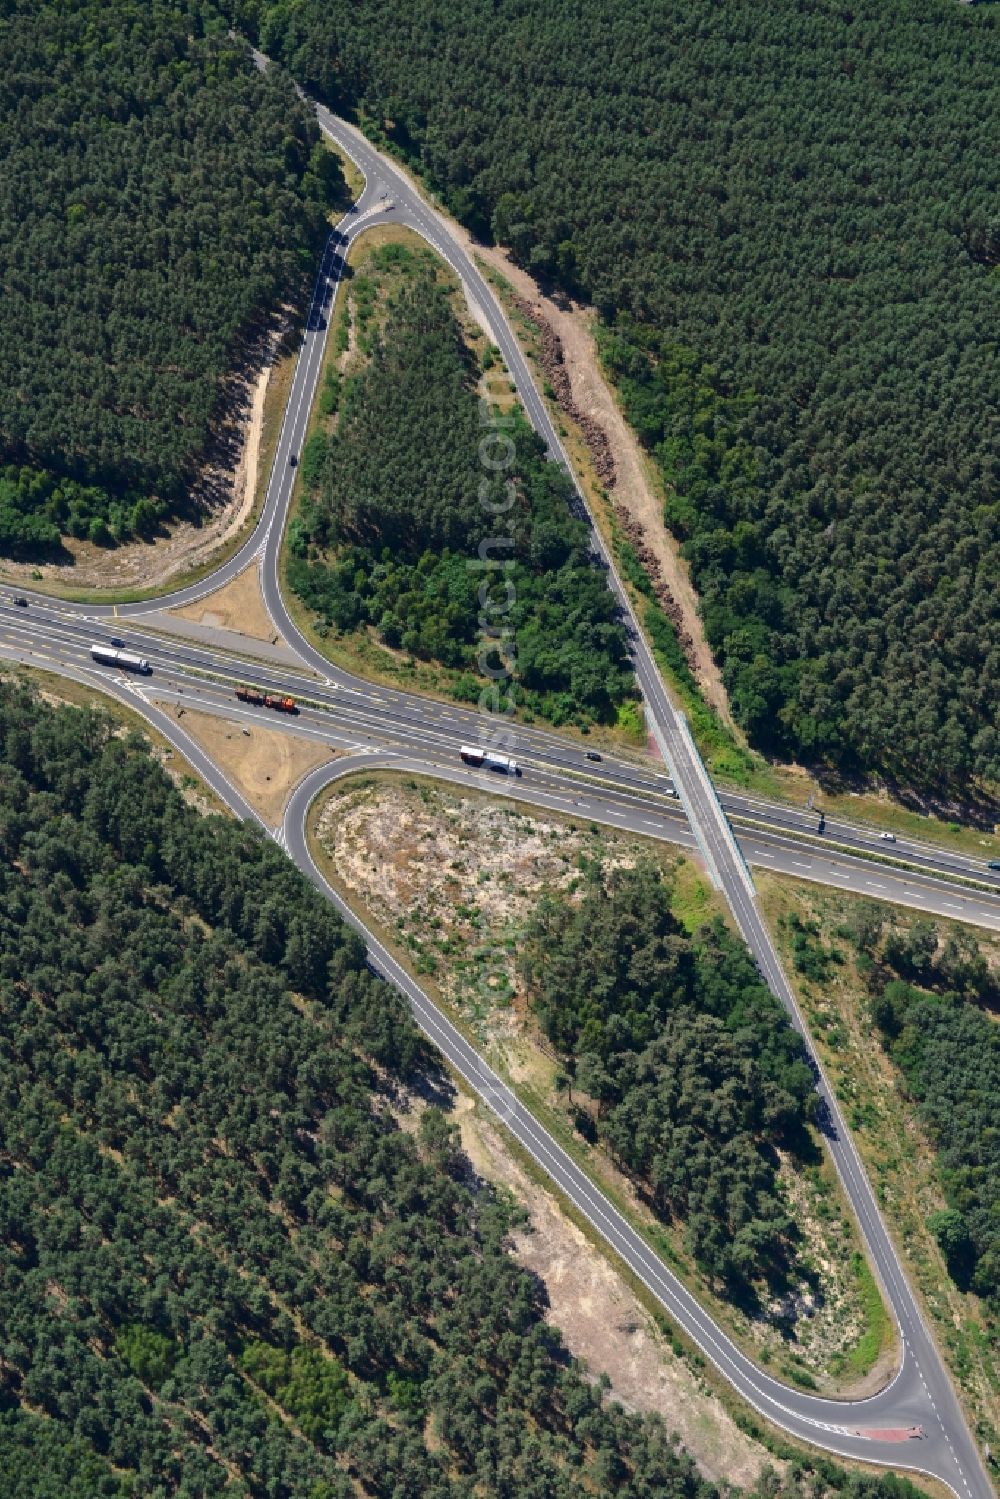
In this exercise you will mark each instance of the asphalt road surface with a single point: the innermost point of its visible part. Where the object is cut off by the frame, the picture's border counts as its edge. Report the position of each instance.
(618, 792)
(921, 1395)
(849, 1429)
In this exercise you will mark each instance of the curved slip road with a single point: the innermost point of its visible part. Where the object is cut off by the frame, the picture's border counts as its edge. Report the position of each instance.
(857, 1429)
(871, 1430)
(921, 1392)
(619, 792)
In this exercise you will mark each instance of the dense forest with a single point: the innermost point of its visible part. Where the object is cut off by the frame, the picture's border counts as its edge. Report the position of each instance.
(789, 218)
(478, 566)
(223, 1266)
(935, 1004)
(159, 199)
(694, 1066)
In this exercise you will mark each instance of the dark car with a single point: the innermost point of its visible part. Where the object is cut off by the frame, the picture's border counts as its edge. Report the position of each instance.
(117, 643)
(21, 601)
(593, 755)
(292, 460)
(993, 864)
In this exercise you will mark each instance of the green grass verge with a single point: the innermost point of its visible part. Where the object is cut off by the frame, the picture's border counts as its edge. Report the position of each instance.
(533, 1090)
(877, 1325)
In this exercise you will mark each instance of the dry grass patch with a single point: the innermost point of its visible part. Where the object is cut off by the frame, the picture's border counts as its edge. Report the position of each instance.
(455, 875)
(603, 1323)
(264, 764)
(638, 488)
(899, 1158)
(449, 878)
(238, 606)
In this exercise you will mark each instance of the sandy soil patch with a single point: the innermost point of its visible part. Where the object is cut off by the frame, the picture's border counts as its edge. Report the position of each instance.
(452, 878)
(264, 764)
(238, 606)
(457, 876)
(603, 1323)
(228, 488)
(900, 1159)
(636, 488)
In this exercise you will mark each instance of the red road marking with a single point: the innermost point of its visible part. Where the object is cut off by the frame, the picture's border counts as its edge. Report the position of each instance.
(889, 1433)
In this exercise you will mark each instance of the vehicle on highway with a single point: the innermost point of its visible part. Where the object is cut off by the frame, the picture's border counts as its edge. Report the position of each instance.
(21, 601)
(292, 460)
(993, 864)
(489, 760)
(593, 755)
(106, 655)
(117, 643)
(821, 825)
(266, 699)
(887, 837)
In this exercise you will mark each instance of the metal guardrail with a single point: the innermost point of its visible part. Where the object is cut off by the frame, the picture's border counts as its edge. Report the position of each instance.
(706, 781)
(693, 823)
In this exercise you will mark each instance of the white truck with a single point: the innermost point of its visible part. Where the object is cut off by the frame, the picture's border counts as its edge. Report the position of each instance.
(489, 760)
(106, 655)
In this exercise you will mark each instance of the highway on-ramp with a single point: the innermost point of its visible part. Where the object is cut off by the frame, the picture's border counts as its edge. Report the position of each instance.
(855, 1429)
(621, 793)
(921, 1395)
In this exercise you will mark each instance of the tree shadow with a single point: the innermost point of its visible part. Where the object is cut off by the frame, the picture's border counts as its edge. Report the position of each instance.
(952, 801)
(432, 1084)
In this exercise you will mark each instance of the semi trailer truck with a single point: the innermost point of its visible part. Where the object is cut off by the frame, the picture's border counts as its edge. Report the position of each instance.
(489, 760)
(106, 655)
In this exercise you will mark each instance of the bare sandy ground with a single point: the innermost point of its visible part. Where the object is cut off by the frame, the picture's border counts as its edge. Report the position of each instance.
(264, 764)
(604, 1323)
(637, 487)
(237, 606)
(433, 866)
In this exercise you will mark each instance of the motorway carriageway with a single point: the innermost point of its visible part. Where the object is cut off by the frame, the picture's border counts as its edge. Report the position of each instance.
(921, 1391)
(614, 794)
(387, 712)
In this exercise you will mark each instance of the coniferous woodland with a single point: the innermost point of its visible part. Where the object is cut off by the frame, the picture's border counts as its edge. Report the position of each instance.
(935, 1005)
(405, 529)
(696, 1071)
(789, 218)
(159, 199)
(223, 1266)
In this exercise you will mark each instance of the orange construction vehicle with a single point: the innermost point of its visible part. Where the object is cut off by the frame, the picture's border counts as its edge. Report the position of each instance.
(266, 700)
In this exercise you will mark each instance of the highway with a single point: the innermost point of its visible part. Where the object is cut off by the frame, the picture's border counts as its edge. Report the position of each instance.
(921, 1394)
(856, 1429)
(617, 792)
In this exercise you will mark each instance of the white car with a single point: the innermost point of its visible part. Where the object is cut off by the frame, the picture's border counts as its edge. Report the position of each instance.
(887, 837)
